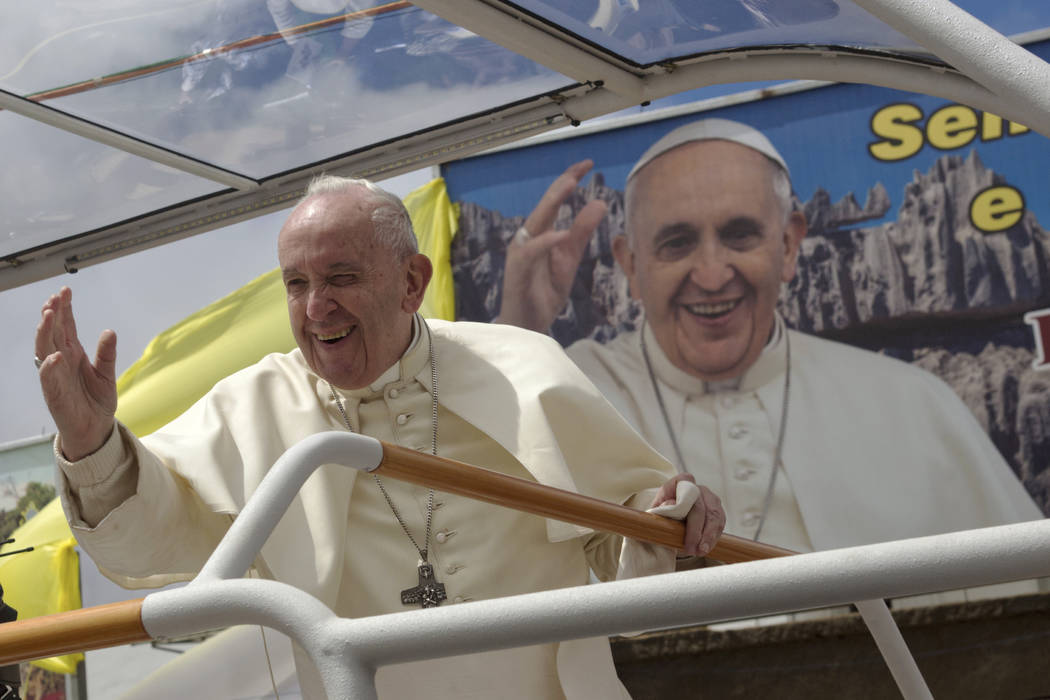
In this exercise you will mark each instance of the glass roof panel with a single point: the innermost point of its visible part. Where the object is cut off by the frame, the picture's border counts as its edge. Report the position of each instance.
(57, 185)
(645, 32)
(264, 87)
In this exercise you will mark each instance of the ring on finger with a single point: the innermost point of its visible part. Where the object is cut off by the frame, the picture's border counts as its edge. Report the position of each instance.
(37, 361)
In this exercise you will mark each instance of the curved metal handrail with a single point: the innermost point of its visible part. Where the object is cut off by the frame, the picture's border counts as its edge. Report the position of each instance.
(348, 651)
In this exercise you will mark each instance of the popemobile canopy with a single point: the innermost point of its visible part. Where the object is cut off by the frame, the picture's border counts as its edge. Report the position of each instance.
(127, 124)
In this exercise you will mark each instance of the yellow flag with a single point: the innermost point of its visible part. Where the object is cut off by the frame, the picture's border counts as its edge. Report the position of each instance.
(182, 363)
(46, 580)
(436, 220)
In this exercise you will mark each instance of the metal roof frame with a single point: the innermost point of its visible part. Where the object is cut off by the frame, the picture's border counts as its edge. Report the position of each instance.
(983, 69)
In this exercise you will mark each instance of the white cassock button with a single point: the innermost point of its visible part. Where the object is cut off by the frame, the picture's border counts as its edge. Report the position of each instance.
(393, 393)
(443, 536)
(726, 402)
(458, 599)
(452, 568)
(743, 473)
(737, 431)
(403, 418)
(751, 517)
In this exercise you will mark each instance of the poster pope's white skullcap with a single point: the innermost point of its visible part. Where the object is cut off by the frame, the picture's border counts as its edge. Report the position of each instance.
(708, 130)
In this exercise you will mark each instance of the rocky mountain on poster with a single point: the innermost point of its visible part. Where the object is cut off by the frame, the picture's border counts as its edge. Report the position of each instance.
(930, 259)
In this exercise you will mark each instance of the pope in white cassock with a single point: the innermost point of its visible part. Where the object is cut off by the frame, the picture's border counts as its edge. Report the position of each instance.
(811, 444)
(150, 512)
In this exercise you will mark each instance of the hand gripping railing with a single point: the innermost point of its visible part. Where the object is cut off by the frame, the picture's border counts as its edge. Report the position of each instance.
(348, 651)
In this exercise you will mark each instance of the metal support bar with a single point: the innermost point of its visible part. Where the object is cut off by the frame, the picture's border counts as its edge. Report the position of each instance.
(1012, 72)
(271, 498)
(894, 649)
(536, 44)
(128, 144)
(840, 68)
(347, 651)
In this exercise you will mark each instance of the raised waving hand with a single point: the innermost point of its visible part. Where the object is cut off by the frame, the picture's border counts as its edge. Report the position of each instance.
(542, 261)
(81, 394)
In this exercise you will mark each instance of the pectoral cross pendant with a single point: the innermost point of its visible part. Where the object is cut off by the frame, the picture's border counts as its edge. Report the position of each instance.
(429, 593)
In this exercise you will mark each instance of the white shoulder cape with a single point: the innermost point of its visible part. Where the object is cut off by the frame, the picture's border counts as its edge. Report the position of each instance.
(875, 449)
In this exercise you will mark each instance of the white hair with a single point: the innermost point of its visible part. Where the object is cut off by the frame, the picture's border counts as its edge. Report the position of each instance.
(390, 220)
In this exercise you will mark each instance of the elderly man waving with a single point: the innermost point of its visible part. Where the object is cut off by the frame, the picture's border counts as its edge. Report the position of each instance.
(151, 511)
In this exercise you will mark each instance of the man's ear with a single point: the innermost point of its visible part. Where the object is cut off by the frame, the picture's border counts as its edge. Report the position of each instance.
(794, 232)
(418, 272)
(625, 258)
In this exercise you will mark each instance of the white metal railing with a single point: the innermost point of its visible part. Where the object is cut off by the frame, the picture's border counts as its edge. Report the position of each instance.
(347, 652)
(351, 650)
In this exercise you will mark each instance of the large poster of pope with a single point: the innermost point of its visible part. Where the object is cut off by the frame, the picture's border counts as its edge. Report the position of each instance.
(831, 303)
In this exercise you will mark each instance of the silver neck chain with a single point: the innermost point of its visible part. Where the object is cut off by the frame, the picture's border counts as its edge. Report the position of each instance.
(768, 501)
(424, 550)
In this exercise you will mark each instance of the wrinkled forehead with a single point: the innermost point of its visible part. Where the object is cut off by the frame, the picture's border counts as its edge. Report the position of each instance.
(330, 218)
(352, 206)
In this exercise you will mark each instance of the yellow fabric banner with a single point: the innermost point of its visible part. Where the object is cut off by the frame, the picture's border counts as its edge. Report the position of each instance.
(182, 363)
(46, 580)
(436, 220)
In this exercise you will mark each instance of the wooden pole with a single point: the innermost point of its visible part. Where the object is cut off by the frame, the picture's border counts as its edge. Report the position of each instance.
(492, 487)
(121, 623)
(77, 630)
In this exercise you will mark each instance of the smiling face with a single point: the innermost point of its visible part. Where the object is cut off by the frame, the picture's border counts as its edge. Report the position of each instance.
(350, 298)
(710, 247)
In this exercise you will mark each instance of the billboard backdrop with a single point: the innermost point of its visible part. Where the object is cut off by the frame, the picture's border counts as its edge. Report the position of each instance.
(926, 240)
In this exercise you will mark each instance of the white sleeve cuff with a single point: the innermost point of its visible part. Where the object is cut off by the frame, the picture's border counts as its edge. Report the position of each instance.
(97, 467)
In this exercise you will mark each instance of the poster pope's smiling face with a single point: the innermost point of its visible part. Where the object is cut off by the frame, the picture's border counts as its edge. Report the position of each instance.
(709, 243)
